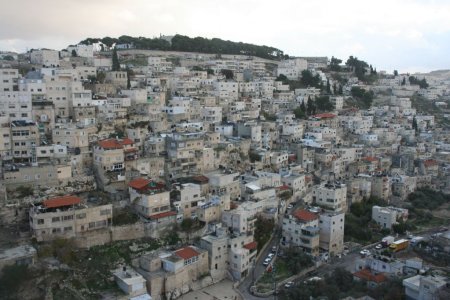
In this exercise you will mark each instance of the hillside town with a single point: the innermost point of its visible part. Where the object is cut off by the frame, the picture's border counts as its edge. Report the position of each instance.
(129, 173)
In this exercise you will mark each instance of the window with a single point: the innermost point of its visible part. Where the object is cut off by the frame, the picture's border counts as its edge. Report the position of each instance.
(55, 219)
(81, 216)
(105, 212)
(40, 221)
(68, 228)
(66, 218)
(92, 225)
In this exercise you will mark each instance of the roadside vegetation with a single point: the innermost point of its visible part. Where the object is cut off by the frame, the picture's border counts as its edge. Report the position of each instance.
(340, 284)
(359, 226)
(263, 231)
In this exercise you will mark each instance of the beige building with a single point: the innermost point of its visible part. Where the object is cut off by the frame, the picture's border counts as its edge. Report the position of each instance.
(301, 229)
(117, 78)
(386, 217)
(45, 57)
(110, 156)
(229, 253)
(66, 217)
(381, 187)
(171, 274)
(149, 198)
(8, 79)
(331, 227)
(24, 139)
(187, 200)
(331, 195)
(131, 282)
(41, 175)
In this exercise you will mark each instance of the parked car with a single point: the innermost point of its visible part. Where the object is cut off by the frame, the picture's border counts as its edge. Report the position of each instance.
(379, 247)
(270, 255)
(289, 284)
(266, 262)
(290, 206)
(365, 252)
(274, 249)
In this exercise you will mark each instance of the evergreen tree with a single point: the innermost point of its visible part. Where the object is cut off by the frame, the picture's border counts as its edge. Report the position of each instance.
(303, 106)
(328, 87)
(309, 106)
(115, 61)
(404, 81)
(414, 125)
(334, 88)
(341, 90)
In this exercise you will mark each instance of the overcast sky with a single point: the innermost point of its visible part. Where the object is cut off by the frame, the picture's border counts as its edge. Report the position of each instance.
(408, 35)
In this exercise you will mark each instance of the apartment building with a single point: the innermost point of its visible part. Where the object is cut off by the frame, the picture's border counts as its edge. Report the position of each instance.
(386, 217)
(36, 175)
(16, 105)
(301, 229)
(149, 198)
(67, 217)
(229, 253)
(172, 274)
(24, 139)
(331, 195)
(45, 57)
(9, 80)
(110, 156)
(187, 199)
(331, 225)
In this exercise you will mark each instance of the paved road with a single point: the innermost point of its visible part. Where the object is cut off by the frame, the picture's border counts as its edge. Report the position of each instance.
(257, 270)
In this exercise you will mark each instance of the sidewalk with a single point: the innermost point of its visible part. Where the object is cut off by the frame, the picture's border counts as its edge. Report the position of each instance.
(220, 291)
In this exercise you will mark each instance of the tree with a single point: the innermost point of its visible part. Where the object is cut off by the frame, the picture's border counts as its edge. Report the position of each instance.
(310, 106)
(101, 77)
(404, 81)
(130, 74)
(187, 226)
(334, 88)
(363, 97)
(323, 103)
(74, 53)
(263, 231)
(298, 260)
(115, 60)
(341, 90)
(227, 73)
(308, 79)
(8, 57)
(335, 64)
(395, 73)
(414, 125)
(282, 78)
(328, 87)
(300, 112)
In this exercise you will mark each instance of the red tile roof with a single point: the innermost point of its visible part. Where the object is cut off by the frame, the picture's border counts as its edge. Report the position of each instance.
(284, 187)
(324, 116)
(127, 141)
(138, 183)
(251, 245)
(61, 201)
(305, 215)
(163, 215)
(186, 253)
(365, 274)
(430, 163)
(370, 159)
(110, 144)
